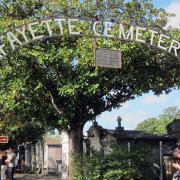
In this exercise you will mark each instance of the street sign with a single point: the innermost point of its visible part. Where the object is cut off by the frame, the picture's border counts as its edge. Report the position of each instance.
(108, 58)
(4, 139)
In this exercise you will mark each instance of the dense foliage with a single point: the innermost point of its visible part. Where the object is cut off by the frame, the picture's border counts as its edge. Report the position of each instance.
(118, 165)
(158, 124)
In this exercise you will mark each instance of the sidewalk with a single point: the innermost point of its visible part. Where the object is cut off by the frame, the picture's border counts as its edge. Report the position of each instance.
(35, 177)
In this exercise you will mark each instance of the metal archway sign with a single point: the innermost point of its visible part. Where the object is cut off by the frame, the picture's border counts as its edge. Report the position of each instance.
(18, 37)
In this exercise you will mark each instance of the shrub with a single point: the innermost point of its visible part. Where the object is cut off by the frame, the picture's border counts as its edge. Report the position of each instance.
(117, 165)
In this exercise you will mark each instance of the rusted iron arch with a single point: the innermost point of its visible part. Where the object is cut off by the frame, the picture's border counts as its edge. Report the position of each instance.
(79, 35)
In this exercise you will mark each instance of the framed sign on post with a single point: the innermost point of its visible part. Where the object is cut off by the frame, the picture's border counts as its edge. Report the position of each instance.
(108, 58)
(4, 139)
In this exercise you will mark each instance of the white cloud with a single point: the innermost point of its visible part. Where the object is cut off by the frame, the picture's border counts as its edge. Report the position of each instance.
(174, 7)
(131, 119)
(126, 106)
(177, 103)
(155, 99)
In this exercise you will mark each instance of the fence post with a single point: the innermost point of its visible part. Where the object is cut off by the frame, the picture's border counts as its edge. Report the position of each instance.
(161, 159)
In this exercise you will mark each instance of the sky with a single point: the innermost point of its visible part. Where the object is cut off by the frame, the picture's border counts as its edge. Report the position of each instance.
(148, 105)
(163, 3)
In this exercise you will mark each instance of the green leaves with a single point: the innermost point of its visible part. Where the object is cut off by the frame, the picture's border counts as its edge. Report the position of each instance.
(68, 90)
(117, 165)
(158, 125)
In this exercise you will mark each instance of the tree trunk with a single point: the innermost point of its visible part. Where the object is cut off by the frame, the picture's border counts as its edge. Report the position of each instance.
(76, 139)
(75, 142)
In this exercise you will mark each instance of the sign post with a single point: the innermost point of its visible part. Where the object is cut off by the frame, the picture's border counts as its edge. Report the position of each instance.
(4, 139)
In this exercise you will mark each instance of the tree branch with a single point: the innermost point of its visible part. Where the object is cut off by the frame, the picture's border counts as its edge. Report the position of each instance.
(54, 104)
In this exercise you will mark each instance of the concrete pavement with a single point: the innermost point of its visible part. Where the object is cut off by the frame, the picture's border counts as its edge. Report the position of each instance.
(35, 177)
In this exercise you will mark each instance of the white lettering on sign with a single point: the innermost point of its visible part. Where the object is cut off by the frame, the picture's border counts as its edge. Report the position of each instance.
(13, 40)
(139, 34)
(175, 45)
(162, 41)
(152, 36)
(59, 22)
(108, 28)
(33, 30)
(94, 28)
(72, 26)
(2, 51)
(47, 22)
(122, 33)
(22, 32)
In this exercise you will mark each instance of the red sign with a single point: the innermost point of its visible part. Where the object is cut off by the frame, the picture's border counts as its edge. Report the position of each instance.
(4, 139)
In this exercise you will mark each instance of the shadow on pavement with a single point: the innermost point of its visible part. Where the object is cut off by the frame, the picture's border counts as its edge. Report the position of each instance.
(35, 177)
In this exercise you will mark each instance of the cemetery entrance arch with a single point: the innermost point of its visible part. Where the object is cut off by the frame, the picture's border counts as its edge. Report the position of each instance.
(16, 38)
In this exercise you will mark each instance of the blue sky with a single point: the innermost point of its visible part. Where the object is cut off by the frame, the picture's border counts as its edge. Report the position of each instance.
(148, 105)
(139, 109)
(162, 3)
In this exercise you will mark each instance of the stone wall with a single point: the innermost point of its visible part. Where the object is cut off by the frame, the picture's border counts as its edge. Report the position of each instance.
(65, 155)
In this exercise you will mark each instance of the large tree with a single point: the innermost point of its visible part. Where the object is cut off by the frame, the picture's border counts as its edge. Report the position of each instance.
(56, 76)
(21, 117)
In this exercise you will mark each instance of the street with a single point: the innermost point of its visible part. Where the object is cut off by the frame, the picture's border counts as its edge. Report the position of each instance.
(35, 176)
